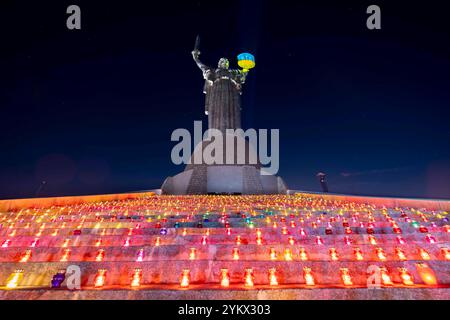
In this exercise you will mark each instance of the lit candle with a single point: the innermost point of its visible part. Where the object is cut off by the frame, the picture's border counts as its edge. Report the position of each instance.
(136, 278)
(400, 254)
(273, 281)
(66, 243)
(427, 275)
(291, 240)
(406, 277)
(13, 280)
(273, 254)
(248, 278)
(319, 240)
(385, 278)
(235, 254)
(430, 239)
(26, 256)
(380, 253)
(345, 277)
(192, 254)
(224, 278)
(400, 240)
(424, 254)
(185, 278)
(100, 255)
(358, 254)
(65, 256)
(288, 254)
(303, 255)
(446, 253)
(140, 256)
(309, 278)
(333, 254)
(100, 278)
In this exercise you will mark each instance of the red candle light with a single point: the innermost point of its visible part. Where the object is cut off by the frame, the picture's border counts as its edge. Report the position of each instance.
(291, 240)
(140, 255)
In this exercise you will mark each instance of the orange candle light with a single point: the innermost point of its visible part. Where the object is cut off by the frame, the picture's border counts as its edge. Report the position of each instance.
(136, 278)
(426, 274)
(333, 254)
(288, 254)
(192, 254)
(303, 254)
(100, 278)
(273, 281)
(400, 254)
(248, 278)
(235, 254)
(224, 278)
(406, 277)
(273, 254)
(185, 278)
(358, 254)
(380, 253)
(424, 254)
(65, 256)
(385, 278)
(309, 278)
(345, 277)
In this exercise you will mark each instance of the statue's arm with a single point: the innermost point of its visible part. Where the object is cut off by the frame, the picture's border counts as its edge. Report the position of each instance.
(240, 75)
(205, 69)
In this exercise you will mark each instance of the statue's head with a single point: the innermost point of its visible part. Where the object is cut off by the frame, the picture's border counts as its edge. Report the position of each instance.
(224, 63)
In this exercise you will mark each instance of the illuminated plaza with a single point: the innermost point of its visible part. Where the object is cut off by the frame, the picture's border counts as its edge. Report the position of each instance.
(298, 246)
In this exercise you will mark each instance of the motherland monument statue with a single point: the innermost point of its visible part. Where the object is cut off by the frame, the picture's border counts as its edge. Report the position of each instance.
(223, 89)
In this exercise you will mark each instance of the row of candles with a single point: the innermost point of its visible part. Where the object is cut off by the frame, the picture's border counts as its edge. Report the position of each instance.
(274, 255)
(425, 272)
(239, 240)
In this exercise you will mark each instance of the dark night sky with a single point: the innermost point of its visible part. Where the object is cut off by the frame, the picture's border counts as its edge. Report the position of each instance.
(92, 111)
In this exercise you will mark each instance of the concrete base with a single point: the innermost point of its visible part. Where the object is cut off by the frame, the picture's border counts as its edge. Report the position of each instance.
(231, 179)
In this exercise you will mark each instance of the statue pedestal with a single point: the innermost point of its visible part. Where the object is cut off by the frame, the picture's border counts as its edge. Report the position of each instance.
(226, 178)
(223, 179)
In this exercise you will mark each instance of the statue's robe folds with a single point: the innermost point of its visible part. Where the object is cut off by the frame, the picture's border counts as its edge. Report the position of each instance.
(223, 98)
